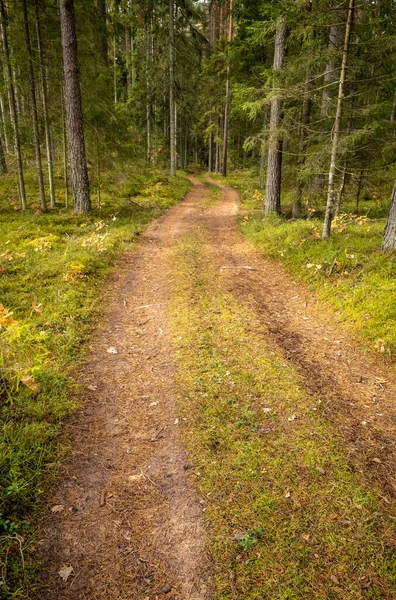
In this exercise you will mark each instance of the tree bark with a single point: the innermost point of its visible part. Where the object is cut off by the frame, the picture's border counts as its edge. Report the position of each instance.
(45, 107)
(74, 114)
(275, 143)
(12, 103)
(65, 163)
(228, 93)
(335, 39)
(337, 124)
(3, 164)
(172, 128)
(148, 95)
(36, 133)
(389, 237)
(4, 123)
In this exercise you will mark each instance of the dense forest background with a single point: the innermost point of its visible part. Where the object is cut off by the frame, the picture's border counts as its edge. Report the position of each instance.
(301, 90)
(106, 107)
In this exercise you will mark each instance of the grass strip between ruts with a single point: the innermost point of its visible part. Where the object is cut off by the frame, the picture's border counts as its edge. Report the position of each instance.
(288, 518)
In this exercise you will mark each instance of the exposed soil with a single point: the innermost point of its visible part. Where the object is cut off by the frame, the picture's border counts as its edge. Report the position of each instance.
(357, 391)
(129, 522)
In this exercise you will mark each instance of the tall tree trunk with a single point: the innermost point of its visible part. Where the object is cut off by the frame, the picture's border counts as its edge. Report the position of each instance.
(133, 61)
(36, 132)
(115, 69)
(3, 164)
(274, 167)
(4, 123)
(74, 115)
(389, 237)
(217, 149)
(45, 107)
(65, 163)
(228, 93)
(210, 158)
(172, 128)
(335, 40)
(12, 103)
(337, 124)
(148, 94)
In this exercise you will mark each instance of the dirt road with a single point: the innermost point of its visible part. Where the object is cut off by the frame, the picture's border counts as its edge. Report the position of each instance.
(125, 522)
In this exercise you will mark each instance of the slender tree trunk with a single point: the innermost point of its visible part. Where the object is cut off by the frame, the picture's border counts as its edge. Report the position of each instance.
(13, 110)
(65, 164)
(4, 123)
(133, 60)
(337, 124)
(127, 37)
(36, 132)
(274, 167)
(17, 89)
(330, 76)
(217, 153)
(228, 93)
(186, 148)
(74, 114)
(3, 164)
(45, 107)
(210, 159)
(172, 128)
(389, 238)
(148, 95)
(115, 69)
(335, 40)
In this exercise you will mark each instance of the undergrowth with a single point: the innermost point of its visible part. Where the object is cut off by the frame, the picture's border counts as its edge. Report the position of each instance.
(289, 518)
(52, 268)
(348, 270)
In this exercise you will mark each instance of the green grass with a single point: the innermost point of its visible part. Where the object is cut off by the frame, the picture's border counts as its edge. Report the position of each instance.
(288, 517)
(348, 271)
(52, 268)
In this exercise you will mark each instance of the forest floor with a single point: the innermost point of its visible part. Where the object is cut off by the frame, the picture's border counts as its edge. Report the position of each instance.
(234, 441)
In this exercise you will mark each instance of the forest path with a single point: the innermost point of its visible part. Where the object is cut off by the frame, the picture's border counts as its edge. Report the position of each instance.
(357, 391)
(128, 522)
